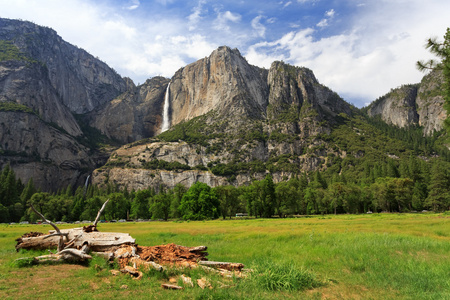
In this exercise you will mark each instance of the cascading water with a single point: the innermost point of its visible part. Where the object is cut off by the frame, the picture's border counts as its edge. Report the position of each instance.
(86, 185)
(165, 121)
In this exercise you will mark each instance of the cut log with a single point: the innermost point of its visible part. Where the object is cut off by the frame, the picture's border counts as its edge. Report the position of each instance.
(198, 249)
(222, 265)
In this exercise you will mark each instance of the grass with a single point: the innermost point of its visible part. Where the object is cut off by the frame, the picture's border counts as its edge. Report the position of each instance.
(378, 256)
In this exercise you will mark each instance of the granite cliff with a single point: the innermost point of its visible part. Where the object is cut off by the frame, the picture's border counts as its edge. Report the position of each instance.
(414, 105)
(44, 82)
(227, 117)
(231, 122)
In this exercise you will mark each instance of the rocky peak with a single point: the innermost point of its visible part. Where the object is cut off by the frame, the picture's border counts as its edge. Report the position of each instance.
(295, 89)
(398, 107)
(82, 81)
(418, 104)
(223, 82)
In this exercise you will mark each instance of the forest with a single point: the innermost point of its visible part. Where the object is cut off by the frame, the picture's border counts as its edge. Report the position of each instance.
(408, 185)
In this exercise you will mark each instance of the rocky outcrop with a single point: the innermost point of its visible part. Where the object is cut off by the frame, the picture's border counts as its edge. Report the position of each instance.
(292, 88)
(430, 102)
(223, 82)
(398, 107)
(44, 81)
(419, 104)
(82, 81)
(135, 114)
(27, 84)
(128, 165)
(37, 150)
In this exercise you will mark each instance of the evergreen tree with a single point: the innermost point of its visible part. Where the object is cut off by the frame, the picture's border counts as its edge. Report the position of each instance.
(442, 51)
(27, 192)
(439, 190)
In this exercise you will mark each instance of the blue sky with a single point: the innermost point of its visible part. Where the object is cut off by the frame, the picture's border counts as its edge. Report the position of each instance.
(359, 48)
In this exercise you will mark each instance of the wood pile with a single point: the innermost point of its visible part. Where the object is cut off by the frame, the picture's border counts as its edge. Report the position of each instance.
(76, 244)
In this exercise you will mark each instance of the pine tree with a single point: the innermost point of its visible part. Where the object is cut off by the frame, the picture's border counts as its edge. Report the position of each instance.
(27, 192)
(439, 190)
(442, 51)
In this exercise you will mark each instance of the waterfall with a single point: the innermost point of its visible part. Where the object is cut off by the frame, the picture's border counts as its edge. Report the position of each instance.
(165, 121)
(87, 182)
(86, 185)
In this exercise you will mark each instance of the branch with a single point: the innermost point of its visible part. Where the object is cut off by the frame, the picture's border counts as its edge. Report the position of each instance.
(56, 234)
(100, 212)
(43, 218)
(60, 244)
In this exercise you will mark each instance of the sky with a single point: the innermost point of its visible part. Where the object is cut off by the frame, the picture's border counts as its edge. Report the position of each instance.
(358, 48)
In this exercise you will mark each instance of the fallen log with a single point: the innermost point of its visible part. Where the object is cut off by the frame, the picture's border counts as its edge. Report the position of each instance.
(222, 265)
(75, 244)
(98, 241)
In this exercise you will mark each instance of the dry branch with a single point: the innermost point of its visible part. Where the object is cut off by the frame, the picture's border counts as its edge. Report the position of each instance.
(61, 241)
(100, 212)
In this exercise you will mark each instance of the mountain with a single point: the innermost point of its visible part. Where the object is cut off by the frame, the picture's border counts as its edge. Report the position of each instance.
(64, 113)
(44, 83)
(229, 117)
(414, 105)
(133, 115)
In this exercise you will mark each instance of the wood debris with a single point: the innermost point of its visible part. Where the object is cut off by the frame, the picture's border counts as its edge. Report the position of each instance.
(75, 244)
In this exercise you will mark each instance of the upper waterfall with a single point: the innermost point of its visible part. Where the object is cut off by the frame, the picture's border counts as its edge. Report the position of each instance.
(165, 121)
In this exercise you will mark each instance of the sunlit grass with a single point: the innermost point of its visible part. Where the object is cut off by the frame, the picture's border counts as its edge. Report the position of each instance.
(378, 256)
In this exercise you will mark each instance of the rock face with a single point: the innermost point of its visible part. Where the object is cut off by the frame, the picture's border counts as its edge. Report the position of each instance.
(39, 151)
(135, 114)
(243, 117)
(44, 81)
(127, 166)
(82, 81)
(27, 84)
(430, 102)
(419, 104)
(224, 82)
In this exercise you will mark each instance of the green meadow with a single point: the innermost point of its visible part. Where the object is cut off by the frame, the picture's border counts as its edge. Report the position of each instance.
(376, 256)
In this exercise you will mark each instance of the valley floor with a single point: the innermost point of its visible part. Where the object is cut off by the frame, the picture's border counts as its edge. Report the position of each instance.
(376, 256)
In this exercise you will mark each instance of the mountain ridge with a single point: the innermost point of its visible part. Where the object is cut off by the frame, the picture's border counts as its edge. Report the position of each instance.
(231, 122)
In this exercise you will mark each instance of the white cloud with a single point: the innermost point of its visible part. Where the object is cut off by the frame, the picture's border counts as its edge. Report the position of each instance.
(133, 5)
(328, 16)
(259, 28)
(322, 23)
(287, 4)
(195, 17)
(221, 22)
(330, 13)
(375, 51)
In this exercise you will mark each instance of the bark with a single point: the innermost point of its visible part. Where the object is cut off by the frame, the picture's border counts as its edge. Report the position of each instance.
(98, 241)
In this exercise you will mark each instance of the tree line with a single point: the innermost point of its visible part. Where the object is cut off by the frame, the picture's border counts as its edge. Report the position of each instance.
(408, 185)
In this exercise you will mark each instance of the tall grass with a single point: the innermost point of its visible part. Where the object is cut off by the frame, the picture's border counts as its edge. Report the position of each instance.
(379, 256)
